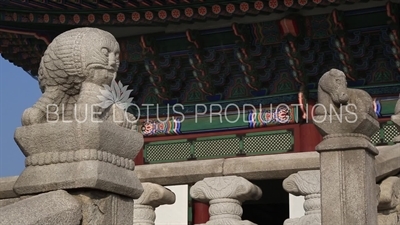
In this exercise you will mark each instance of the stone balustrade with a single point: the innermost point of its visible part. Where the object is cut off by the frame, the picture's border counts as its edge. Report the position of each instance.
(307, 184)
(225, 196)
(153, 196)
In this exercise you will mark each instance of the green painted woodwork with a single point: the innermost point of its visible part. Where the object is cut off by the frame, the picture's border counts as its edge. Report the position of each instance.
(222, 146)
(387, 106)
(217, 121)
(386, 134)
(252, 143)
(214, 123)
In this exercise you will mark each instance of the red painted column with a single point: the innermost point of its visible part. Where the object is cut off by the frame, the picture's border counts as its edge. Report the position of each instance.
(200, 212)
(139, 160)
(309, 135)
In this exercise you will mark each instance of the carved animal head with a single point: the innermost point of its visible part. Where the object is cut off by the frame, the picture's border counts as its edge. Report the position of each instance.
(334, 84)
(75, 55)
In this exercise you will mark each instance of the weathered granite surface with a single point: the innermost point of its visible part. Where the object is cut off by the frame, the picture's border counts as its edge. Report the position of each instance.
(78, 134)
(254, 167)
(78, 155)
(334, 97)
(76, 137)
(278, 166)
(73, 70)
(153, 196)
(225, 195)
(6, 187)
(102, 208)
(348, 180)
(349, 194)
(307, 184)
(57, 207)
(261, 167)
(389, 201)
(388, 161)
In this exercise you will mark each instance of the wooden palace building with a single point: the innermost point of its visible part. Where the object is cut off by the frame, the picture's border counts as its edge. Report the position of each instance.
(222, 79)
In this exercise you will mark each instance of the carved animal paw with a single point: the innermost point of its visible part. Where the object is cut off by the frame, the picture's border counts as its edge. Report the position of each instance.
(33, 116)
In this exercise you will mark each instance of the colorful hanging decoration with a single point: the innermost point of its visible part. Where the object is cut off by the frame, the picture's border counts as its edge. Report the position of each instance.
(159, 127)
(266, 117)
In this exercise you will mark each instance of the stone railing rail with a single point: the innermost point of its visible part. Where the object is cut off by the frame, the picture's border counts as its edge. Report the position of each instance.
(252, 168)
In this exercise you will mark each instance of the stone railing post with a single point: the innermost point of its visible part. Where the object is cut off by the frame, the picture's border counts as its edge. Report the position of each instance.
(225, 196)
(389, 202)
(153, 196)
(307, 184)
(348, 188)
(346, 119)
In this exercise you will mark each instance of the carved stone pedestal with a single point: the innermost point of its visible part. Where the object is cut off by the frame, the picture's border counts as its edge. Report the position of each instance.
(102, 208)
(307, 184)
(348, 189)
(225, 196)
(78, 155)
(153, 196)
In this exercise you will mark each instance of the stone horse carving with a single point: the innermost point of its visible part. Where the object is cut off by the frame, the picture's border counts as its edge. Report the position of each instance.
(73, 70)
(334, 94)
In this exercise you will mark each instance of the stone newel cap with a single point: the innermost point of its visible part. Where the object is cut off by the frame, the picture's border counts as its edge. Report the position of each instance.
(303, 183)
(65, 137)
(155, 195)
(225, 187)
(361, 123)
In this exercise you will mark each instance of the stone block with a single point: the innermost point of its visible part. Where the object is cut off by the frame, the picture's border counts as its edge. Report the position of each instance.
(66, 138)
(78, 155)
(180, 172)
(348, 187)
(51, 208)
(388, 161)
(274, 166)
(6, 187)
(84, 174)
(361, 123)
(9, 201)
(102, 208)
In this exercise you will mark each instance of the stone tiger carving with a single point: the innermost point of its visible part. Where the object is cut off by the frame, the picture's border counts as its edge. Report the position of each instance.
(72, 71)
(333, 93)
